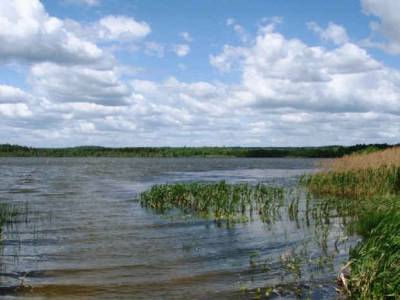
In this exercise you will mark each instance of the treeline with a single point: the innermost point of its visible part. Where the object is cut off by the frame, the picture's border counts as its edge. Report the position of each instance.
(95, 151)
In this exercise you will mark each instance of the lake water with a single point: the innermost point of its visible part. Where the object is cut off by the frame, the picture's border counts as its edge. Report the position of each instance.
(84, 235)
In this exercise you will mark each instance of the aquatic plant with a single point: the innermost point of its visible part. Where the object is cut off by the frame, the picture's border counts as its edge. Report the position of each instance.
(384, 180)
(7, 214)
(372, 181)
(361, 175)
(366, 160)
(375, 261)
(220, 201)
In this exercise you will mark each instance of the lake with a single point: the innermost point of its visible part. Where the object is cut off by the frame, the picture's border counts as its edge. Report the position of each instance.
(83, 234)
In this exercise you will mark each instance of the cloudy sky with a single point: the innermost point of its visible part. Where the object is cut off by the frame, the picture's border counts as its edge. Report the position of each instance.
(189, 72)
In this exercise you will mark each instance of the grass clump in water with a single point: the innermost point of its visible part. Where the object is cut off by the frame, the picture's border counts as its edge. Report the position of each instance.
(7, 214)
(220, 201)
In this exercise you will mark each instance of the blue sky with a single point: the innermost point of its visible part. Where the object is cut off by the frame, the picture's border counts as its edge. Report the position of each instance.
(157, 73)
(206, 21)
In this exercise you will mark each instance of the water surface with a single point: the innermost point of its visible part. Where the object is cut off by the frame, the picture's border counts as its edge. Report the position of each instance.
(85, 234)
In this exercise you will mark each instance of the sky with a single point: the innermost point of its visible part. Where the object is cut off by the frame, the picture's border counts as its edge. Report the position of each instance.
(199, 73)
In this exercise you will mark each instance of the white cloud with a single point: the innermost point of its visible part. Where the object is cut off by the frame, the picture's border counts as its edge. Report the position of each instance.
(28, 33)
(279, 72)
(10, 94)
(299, 117)
(186, 36)
(154, 49)
(334, 33)
(84, 2)
(225, 60)
(181, 50)
(121, 28)
(286, 92)
(38, 37)
(15, 110)
(79, 84)
(239, 30)
(389, 22)
(86, 127)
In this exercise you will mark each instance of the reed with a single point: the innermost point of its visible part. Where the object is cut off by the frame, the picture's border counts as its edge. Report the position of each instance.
(375, 262)
(358, 175)
(8, 214)
(219, 201)
(372, 180)
(362, 161)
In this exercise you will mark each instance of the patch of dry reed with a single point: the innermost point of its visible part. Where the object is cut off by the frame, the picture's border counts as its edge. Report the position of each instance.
(375, 160)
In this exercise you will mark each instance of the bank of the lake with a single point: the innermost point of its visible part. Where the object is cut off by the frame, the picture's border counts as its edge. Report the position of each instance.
(372, 180)
(226, 228)
(7, 150)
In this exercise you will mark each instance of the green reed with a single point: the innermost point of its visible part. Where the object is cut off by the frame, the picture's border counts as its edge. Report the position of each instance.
(7, 215)
(375, 262)
(366, 188)
(232, 203)
(219, 201)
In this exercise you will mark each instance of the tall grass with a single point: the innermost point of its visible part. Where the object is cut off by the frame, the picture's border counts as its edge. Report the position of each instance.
(374, 160)
(361, 175)
(375, 262)
(373, 181)
(220, 201)
(369, 182)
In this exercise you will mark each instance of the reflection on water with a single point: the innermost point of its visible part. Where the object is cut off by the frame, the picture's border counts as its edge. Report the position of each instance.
(86, 235)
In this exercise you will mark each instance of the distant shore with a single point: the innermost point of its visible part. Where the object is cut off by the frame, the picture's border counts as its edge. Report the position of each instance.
(7, 150)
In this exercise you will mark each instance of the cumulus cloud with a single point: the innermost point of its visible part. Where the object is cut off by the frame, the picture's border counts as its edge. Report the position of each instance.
(280, 72)
(239, 29)
(121, 28)
(286, 92)
(154, 49)
(181, 50)
(10, 94)
(78, 84)
(186, 36)
(84, 2)
(38, 37)
(28, 33)
(17, 110)
(389, 21)
(225, 61)
(333, 33)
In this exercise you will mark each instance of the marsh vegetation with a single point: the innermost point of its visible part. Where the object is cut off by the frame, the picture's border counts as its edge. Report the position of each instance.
(8, 214)
(209, 227)
(219, 201)
(230, 204)
(361, 189)
(372, 181)
(359, 175)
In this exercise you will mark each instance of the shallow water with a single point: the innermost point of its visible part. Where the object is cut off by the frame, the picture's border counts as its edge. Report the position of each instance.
(85, 235)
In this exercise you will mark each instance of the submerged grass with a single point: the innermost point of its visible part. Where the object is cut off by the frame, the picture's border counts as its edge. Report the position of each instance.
(372, 182)
(7, 214)
(220, 201)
